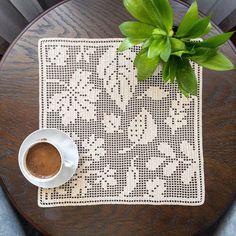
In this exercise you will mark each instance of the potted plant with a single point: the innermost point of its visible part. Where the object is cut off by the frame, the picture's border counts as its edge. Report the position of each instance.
(171, 47)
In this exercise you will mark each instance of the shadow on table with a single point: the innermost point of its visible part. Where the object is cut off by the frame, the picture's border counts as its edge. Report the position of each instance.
(11, 223)
(224, 226)
(28, 228)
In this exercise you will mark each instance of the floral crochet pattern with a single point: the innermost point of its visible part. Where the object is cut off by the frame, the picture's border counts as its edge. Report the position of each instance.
(73, 101)
(139, 142)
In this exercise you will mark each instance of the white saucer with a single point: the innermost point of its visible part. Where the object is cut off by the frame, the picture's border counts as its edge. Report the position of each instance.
(68, 150)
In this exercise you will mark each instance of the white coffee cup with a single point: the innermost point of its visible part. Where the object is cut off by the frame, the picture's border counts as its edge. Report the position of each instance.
(63, 144)
(64, 163)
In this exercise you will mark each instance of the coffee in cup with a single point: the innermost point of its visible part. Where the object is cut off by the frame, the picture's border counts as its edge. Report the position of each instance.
(48, 158)
(43, 160)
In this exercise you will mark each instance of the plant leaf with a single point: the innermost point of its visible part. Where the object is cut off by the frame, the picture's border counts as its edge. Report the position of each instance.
(147, 43)
(165, 53)
(200, 28)
(186, 77)
(145, 66)
(136, 59)
(136, 29)
(165, 71)
(215, 41)
(136, 9)
(169, 70)
(165, 12)
(153, 13)
(180, 53)
(187, 21)
(185, 93)
(214, 61)
(177, 45)
(202, 51)
(208, 29)
(156, 47)
(158, 31)
(128, 43)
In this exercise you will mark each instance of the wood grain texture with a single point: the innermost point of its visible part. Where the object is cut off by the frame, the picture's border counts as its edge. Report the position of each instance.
(19, 98)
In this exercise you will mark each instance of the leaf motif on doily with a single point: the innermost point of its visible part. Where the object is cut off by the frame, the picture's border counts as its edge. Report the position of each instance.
(187, 149)
(95, 147)
(142, 128)
(85, 53)
(155, 187)
(156, 93)
(167, 150)
(57, 55)
(79, 183)
(132, 178)
(178, 112)
(77, 99)
(154, 162)
(106, 177)
(189, 173)
(118, 76)
(170, 168)
(111, 123)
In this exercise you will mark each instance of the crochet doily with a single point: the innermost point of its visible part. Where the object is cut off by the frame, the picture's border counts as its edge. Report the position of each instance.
(139, 142)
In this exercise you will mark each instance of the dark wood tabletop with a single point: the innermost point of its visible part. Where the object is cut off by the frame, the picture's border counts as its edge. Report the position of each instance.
(19, 116)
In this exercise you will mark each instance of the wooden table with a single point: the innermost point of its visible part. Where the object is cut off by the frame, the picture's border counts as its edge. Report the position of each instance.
(19, 105)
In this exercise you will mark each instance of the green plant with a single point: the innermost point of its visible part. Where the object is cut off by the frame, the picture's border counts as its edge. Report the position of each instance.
(174, 50)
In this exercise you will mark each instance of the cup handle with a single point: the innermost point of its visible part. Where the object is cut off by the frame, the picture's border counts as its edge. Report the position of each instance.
(68, 163)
